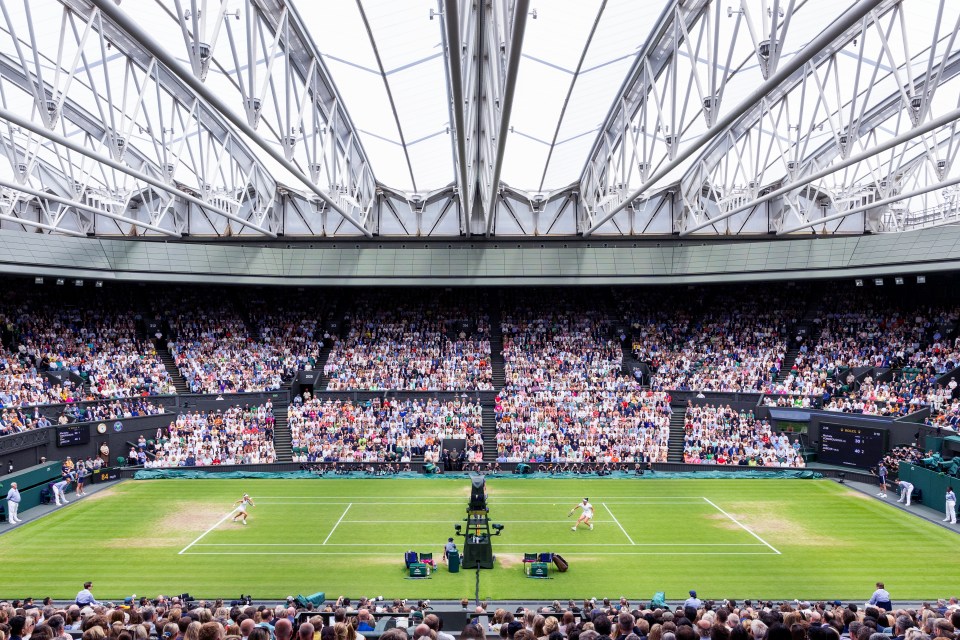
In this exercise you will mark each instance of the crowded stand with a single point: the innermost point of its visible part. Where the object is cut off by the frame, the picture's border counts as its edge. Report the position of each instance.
(595, 426)
(722, 435)
(904, 455)
(383, 429)
(291, 330)
(566, 398)
(182, 617)
(99, 345)
(722, 347)
(237, 435)
(864, 331)
(113, 410)
(440, 342)
(215, 353)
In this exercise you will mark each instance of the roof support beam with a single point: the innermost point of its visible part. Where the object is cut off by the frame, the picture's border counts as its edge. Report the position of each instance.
(43, 195)
(873, 205)
(24, 123)
(905, 136)
(147, 41)
(520, 10)
(454, 63)
(788, 67)
(41, 225)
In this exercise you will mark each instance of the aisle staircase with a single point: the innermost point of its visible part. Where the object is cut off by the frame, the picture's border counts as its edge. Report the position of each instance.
(675, 446)
(489, 433)
(323, 379)
(179, 383)
(496, 347)
(812, 337)
(281, 435)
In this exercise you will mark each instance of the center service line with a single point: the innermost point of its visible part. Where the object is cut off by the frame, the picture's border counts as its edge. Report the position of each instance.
(338, 523)
(741, 525)
(618, 524)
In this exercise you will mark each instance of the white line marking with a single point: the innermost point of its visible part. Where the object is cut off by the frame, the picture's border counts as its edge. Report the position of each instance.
(338, 523)
(459, 521)
(741, 525)
(200, 537)
(492, 498)
(459, 502)
(618, 523)
(499, 544)
(569, 553)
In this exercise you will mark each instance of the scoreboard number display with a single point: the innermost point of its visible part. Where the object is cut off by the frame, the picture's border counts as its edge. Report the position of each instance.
(73, 435)
(846, 446)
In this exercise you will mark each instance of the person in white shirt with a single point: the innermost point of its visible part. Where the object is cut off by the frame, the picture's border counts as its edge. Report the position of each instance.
(951, 506)
(13, 504)
(906, 490)
(586, 517)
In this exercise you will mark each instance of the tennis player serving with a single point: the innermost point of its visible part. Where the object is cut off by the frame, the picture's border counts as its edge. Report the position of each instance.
(586, 517)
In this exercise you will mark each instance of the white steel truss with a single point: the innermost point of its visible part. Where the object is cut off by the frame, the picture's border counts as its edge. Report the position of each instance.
(742, 117)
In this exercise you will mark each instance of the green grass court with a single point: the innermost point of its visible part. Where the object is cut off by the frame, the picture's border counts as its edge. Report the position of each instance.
(773, 539)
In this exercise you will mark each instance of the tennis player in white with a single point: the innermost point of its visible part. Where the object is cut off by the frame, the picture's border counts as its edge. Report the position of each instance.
(242, 507)
(586, 517)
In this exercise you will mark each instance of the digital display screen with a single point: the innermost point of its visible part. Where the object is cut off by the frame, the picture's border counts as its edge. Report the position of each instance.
(845, 446)
(72, 435)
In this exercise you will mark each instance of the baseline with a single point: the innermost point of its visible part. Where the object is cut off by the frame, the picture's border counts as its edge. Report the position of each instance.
(499, 544)
(566, 553)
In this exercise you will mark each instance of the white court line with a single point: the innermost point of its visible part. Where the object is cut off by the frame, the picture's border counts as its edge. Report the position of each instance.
(338, 523)
(492, 503)
(618, 523)
(741, 525)
(506, 544)
(459, 521)
(566, 553)
(491, 497)
(200, 537)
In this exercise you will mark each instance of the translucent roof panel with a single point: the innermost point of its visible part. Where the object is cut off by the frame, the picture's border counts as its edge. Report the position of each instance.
(387, 61)
(576, 56)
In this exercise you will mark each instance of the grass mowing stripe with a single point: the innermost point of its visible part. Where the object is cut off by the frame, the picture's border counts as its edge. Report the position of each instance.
(338, 523)
(741, 525)
(201, 536)
(618, 523)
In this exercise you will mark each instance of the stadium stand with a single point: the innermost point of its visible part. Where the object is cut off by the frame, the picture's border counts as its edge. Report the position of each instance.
(99, 344)
(237, 435)
(566, 398)
(144, 618)
(382, 430)
(435, 342)
(721, 435)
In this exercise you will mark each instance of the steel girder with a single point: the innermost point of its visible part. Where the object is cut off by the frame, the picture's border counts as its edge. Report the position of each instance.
(741, 171)
(483, 40)
(149, 135)
(299, 88)
(286, 94)
(499, 86)
(660, 114)
(460, 42)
